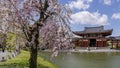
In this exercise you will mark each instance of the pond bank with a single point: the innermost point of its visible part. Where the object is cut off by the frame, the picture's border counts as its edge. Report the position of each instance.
(22, 61)
(86, 50)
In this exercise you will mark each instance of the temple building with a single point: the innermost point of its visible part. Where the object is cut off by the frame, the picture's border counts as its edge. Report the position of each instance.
(92, 37)
(115, 41)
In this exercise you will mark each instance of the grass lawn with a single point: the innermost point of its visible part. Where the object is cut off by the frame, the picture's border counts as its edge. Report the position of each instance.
(21, 61)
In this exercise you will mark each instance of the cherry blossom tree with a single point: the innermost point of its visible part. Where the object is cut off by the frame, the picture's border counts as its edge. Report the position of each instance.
(33, 16)
(3, 24)
(7, 28)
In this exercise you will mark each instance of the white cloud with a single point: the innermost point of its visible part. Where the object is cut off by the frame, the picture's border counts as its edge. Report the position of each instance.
(107, 2)
(80, 4)
(116, 16)
(85, 17)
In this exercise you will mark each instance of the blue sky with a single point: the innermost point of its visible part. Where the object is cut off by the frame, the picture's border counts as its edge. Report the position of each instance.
(90, 13)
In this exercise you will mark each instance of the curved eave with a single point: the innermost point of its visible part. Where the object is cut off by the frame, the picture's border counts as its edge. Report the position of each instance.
(105, 32)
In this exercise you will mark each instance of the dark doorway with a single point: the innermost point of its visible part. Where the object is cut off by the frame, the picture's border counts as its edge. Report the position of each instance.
(92, 43)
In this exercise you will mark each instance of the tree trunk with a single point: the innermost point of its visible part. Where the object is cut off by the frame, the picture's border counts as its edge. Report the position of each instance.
(33, 58)
(34, 48)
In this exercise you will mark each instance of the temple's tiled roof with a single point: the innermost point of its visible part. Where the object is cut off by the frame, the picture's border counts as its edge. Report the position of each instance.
(93, 29)
(84, 32)
(99, 29)
(115, 38)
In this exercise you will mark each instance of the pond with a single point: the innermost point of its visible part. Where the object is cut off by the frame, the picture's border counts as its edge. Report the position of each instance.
(85, 60)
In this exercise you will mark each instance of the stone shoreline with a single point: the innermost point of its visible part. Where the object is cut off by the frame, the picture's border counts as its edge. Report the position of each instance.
(86, 50)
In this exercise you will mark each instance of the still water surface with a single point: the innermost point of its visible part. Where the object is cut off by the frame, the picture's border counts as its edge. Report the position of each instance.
(85, 60)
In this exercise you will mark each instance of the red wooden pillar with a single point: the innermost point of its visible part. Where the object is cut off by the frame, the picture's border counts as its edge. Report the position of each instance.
(82, 43)
(117, 44)
(102, 43)
(96, 42)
